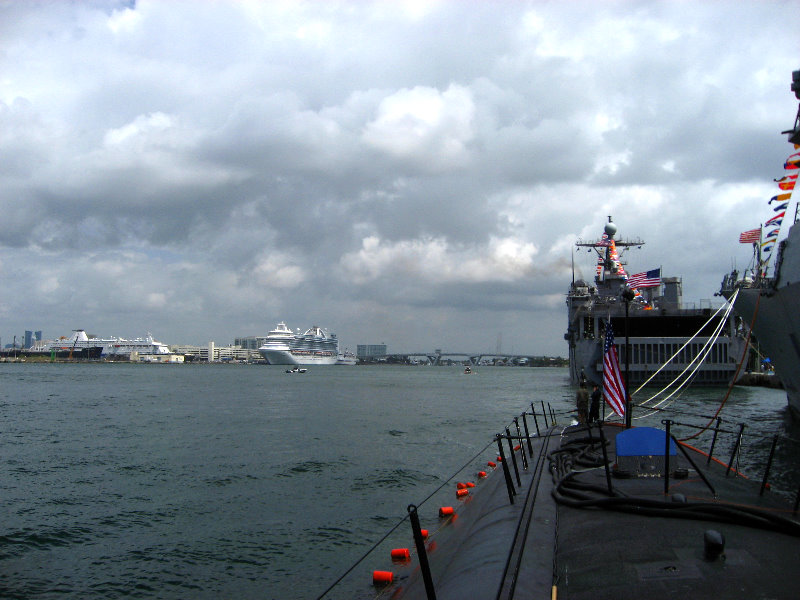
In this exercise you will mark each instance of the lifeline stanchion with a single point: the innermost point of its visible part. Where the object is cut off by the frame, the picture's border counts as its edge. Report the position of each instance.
(535, 420)
(605, 459)
(735, 449)
(544, 413)
(513, 456)
(796, 503)
(714, 440)
(521, 445)
(769, 465)
(667, 437)
(506, 473)
(688, 457)
(421, 552)
(552, 414)
(527, 435)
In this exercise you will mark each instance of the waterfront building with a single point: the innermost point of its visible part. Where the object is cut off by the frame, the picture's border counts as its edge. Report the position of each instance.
(217, 353)
(251, 342)
(370, 351)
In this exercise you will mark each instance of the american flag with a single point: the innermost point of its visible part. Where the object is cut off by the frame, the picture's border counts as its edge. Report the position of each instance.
(750, 237)
(650, 278)
(613, 387)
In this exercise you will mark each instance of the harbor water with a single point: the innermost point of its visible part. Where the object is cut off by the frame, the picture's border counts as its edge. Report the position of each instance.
(242, 481)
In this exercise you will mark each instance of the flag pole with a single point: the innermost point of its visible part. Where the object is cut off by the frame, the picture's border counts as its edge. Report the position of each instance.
(627, 295)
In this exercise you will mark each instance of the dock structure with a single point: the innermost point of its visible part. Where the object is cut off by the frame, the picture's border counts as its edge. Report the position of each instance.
(603, 512)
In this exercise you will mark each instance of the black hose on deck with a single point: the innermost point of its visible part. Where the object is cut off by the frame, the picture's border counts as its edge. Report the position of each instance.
(570, 491)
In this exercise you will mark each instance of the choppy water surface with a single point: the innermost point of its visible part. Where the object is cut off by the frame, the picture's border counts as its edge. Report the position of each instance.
(170, 481)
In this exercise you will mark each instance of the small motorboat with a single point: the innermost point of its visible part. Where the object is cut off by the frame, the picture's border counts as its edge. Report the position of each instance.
(296, 370)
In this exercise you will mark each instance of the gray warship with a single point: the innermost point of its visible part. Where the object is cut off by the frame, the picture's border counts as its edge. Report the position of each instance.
(702, 341)
(769, 304)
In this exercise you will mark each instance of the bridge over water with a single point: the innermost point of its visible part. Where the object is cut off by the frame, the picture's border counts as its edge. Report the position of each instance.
(439, 357)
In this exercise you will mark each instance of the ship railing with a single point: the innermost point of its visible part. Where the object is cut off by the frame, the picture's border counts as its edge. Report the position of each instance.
(514, 442)
(741, 440)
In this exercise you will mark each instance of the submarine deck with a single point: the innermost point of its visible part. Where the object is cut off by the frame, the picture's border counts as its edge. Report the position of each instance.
(566, 536)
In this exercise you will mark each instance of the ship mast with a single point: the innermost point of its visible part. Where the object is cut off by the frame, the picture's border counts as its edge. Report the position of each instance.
(603, 247)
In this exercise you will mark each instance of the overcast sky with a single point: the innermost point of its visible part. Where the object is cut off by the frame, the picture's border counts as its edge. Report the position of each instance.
(408, 173)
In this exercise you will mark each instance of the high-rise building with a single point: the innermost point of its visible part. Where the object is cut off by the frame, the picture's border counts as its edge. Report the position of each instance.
(251, 342)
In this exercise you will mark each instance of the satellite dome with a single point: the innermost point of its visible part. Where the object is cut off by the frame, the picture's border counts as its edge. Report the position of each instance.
(611, 229)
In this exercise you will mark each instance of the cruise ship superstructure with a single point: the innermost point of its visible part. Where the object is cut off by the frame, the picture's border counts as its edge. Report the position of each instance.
(658, 325)
(112, 346)
(771, 304)
(313, 347)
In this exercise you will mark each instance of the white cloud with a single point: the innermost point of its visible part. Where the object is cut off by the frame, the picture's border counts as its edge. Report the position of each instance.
(279, 272)
(435, 261)
(431, 128)
(200, 169)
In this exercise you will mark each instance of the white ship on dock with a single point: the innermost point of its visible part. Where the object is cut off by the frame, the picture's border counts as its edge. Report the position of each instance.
(313, 347)
(112, 346)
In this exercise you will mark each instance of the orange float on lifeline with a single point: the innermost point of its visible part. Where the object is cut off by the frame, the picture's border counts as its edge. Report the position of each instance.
(460, 486)
(401, 554)
(382, 577)
(491, 464)
(470, 484)
(481, 474)
(462, 493)
(424, 533)
(445, 511)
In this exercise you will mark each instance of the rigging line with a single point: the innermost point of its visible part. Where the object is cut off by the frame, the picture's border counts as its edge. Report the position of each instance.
(366, 554)
(697, 362)
(400, 522)
(705, 350)
(702, 355)
(464, 466)
(699, 359)
(729, 305)
(738, 369)
(688, 379)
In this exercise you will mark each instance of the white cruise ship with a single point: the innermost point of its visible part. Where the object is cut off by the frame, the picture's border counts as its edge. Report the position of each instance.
(314, 347)
(112, 346)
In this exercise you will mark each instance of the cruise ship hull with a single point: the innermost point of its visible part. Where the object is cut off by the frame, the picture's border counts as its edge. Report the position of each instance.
(314, 347)
(289, 357)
